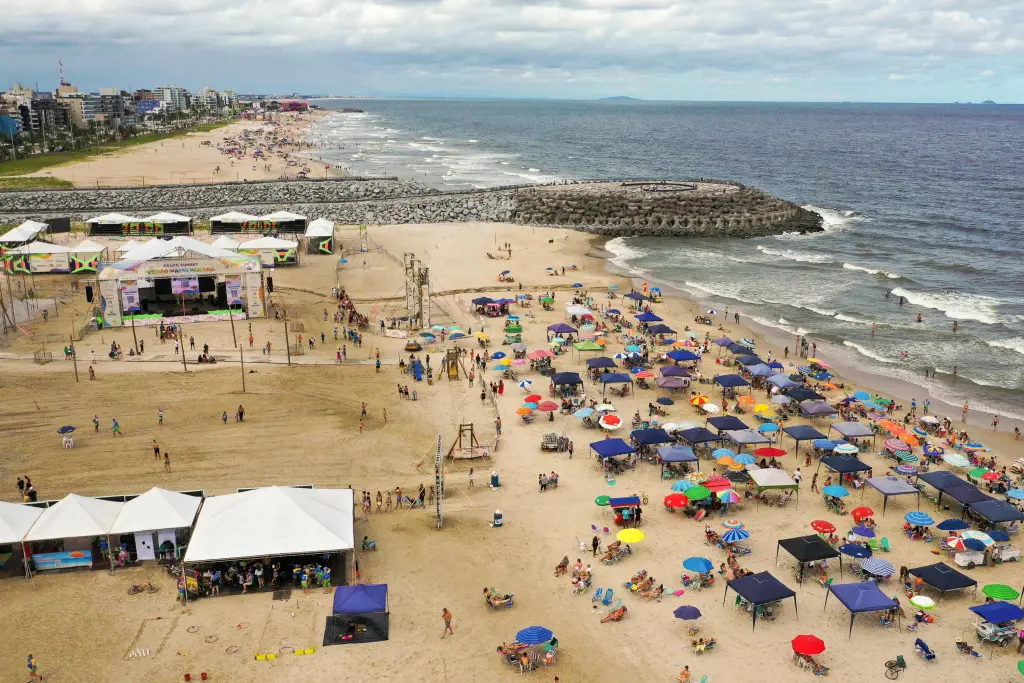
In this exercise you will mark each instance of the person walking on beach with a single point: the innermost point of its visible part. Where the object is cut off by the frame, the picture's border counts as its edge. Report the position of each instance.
(380, 501)
(995, 422)
(96, 423)
(798, 477)
(175, 347)
(595, 543)
(156, 450)
(814, 483)
(472, 477)
(963, 413)
(160, 417)
(191, 343)
(115, 428)
(398, 497)
(570, 449)
(445, 614)
(167, 461)
(387, 501)
(33, 669)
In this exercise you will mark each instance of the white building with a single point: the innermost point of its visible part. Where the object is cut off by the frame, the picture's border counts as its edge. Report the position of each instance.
(173, 97)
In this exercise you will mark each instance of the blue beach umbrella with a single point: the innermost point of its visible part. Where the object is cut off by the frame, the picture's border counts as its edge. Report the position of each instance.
(456, 335)
(613, 287)
(722, 453)
(687, 613)
(577, 285)
(768, 428)
(854, 550)
(862, 396)
(735, 535)
(531, 405)
(497, 355)
(1016, 494)
(683, 485)
(701, 565)
(952, 525)
(878, 567)
(918, 518)
(745, 459)
(666, 401)
(583, 412)
(534, 635)
(973, 544)
(66, 429)
(999, 536)
(823, 444)
(632, 347)
(863, 531)
(835, 491)
(932, 449)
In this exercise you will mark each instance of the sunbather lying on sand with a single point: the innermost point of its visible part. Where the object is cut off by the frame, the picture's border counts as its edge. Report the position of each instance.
(614, 616)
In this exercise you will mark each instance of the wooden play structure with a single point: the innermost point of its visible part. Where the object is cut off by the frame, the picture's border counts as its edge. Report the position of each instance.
(466, 445)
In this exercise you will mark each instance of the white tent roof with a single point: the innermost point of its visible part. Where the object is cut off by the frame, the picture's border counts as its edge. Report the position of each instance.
(16, 520)
(278, 520)
(73, 517)
(113, 219)
(88, 245)
(126, 247)
(225, 242)
(157, 509)
(321, 227)
(24, 232)
(175, 248)
(283, 216)
(40, 248)
(164, 217)
(772, 478)
(234, 217)
(268, 243)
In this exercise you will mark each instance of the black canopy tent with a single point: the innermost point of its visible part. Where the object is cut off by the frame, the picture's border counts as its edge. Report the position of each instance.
(843, 464)
(996, 511)
(944, 578)
(807, 549)
(760, 589)
(941, 481)
(698, 435)
(725, 423)
(802, 433)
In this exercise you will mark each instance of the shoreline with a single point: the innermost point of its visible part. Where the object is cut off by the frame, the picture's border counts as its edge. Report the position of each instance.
(841, 366)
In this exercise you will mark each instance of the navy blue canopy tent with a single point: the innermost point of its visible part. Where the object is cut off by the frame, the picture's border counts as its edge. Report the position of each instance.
(609, 448)
(648, 318)
(674, 371)
(996, 511)
(698, 435)
(807, 549)
(677, 453)
(802, 433)
(737, 349)
(727, 423)
(627, 502)
(817, 409)
(967, 495)
(731, 381)
(861, 597)
(360, 615)
(482, 301)
(660, 329)
(760, 370)
(892, 486)
(650, 437)
(637, 296)
(615, 378)
(804, 395)
(998, 612)
(941, 481)
(601, 362)
(682, 355)
(561, 328)
(749, 360)
(844, 464)
(760, 589)
(944, 578)
(560, 378)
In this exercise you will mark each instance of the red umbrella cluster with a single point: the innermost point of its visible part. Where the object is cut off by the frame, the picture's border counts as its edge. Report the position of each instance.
(770, 452)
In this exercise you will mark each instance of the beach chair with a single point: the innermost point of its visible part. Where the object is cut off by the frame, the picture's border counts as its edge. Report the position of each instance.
(827, 583)
(617, 605)
(609, 595)
(923, 650)
(598, 595)
(873, 544)
(884, 543)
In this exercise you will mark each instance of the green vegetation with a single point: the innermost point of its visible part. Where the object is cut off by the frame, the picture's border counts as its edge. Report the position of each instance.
(37, 163)
(34, 183)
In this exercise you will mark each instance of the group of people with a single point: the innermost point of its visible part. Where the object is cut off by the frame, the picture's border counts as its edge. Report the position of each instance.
(384, 499)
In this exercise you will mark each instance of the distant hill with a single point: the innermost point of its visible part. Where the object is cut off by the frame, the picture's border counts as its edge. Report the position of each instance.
(618, 98)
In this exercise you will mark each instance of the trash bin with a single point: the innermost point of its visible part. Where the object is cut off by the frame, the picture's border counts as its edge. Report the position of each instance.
(495, 483)
(497, 518)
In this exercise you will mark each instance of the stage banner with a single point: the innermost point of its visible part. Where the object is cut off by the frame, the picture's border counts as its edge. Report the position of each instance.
(111, 316)
(63, 560)
(254, 295)
(184, 285)
(234, 290)
(130, 296)
(49, 263)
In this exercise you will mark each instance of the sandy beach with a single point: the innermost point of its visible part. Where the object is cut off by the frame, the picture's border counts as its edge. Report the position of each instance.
(302, 427)
(195, 158)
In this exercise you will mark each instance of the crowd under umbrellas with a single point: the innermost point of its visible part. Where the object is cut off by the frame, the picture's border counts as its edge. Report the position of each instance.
(711, 467)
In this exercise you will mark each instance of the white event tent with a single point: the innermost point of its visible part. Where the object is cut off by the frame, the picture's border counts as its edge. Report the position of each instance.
(74, 516)
(225, 242)
(15, 521)
(157, 511)
(273, 521)
(25, 232)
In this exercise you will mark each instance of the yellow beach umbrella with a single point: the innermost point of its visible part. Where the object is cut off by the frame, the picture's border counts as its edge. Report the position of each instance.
(699, 400)
(630, 535)
(482, 335)
(725, 461)
(770, 414)
(762, 408)
(736, 467)
(813, 360)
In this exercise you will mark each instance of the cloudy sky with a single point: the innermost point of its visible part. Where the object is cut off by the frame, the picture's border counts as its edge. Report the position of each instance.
(866, 50)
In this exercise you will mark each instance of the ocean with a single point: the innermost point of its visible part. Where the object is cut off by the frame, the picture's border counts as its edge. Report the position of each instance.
(923, 202)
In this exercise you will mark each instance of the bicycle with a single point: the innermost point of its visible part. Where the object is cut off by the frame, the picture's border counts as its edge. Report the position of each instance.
(137, 588)
(642, 496)
(894, 666)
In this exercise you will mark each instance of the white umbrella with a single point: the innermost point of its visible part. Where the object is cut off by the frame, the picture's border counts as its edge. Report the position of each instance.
(603, 407)
(710, 408)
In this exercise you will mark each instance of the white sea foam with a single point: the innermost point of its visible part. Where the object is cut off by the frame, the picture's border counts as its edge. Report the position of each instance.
(955, 305)
(833, 220)
(720, 292)
(871, 271)
(867, 352)
(851, 319)
(533, 170)
(780, 324)
(791, 255)
(1016, 344)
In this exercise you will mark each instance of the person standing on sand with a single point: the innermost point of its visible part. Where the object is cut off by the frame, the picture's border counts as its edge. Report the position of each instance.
(995, 422)
(160, 417)
(398, 497)
(963, 413)
(445, 614)
(96, 423)
(814, 482)
(167, 461)
(115, 428)
(380, 501)
(595, 543)
(156, 450)
(33, 669)
(472, 477)
(387, 502)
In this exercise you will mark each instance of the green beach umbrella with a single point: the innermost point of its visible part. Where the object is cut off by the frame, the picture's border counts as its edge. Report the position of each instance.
(977, 472)
(906, 456)
(546, 299)
(1000, 591)
(883, 401)
(698, 493)
(1020, 666)
(602, 501)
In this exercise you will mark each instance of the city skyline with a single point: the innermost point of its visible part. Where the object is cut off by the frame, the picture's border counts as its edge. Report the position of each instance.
(751, 50)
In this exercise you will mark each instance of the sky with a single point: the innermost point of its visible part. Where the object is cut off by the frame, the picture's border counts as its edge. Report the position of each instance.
(772, 50)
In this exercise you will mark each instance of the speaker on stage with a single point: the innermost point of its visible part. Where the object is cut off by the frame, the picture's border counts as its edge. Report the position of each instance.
(88, 293)
(270, 285)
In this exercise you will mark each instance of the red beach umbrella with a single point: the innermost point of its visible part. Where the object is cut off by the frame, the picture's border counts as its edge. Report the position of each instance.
(716, 484)
(808, 645)
(547, 406)
(676, 501)
(861, 512)
(533, 398)
(990, 476)
(770, 452)
(823, 527)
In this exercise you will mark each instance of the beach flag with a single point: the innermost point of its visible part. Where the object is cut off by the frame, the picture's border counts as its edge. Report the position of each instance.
(645, 289)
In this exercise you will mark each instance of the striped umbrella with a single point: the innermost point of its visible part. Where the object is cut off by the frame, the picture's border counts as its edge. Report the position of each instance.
(846, 449)
(918, 518)
(732, 524)
(878, 567)
(895, 445)
(973, 446)
(979, 536)
(735, 535)
(955, 543)
(698, 493)
(905, 469)
(906, 456)
(956, 460)
(728, 496)
(919, 431)
(525, 384)
(1000, 591)
(722, 453)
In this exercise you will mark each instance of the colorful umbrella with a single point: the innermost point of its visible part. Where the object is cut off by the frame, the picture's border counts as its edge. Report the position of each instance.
(732, 524)
(683, 485)
(905, 469)
(583, 412)
(918, 518)
(979, 536)
(861, 512)
(722, 453)
(1000, 591)
(808, 645)
(835, 491)
(762, 408)
(735, 535)
(878, 567)
(990, 476)
(932, 449)
(630, 536)
(977, 472)
(610, 422)
(955, 543)
(745, 459)
(768, 428)
(547, 406)
(676, 501)
(534, 635)
(534, 398)
(699, 400)
(746, 400)
(725, 461)
(698, 493)
(523, 411)
(973, 446)
(770, 452)
(728, 496)
(895, 445)
(905, 457)
(922, 602)
(645, 374)
(864, 532)
(525, 383)
(846, 449)
(531, 405)
(701, 565)
(823, 527)
(956, 460)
